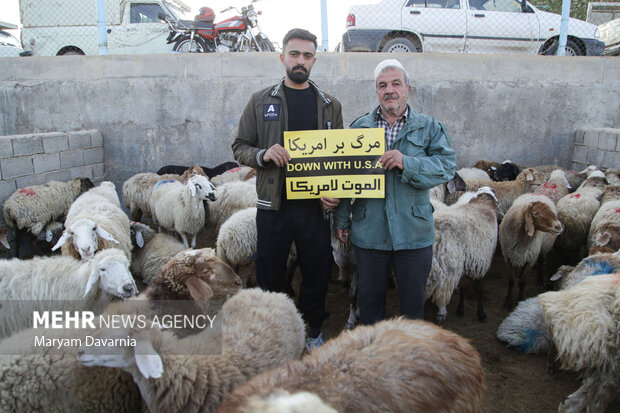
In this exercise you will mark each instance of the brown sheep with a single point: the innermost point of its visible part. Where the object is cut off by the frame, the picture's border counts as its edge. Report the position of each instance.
(487, 166)
(606, 238)
(397, 365)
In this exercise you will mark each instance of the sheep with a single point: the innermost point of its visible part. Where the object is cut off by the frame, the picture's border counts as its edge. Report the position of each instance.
(98, 389)
(556, 186)
(242, 173)
(465, 241)
(262, 330)
(522, 237)
(3, 237)
(487, 166)
(395, 365)
(236, 240)
(32, 282)
(613, 176)
(209, 172)
(457, 183)
(584, 324)
(606, 238)
(180, 207)
(137, 189)
(94, 222)
(344, 257)
(468, 174)
(576, 211)
(507, 171)
(608, 212)
(32, 207)
(285, 402)
(231, 197)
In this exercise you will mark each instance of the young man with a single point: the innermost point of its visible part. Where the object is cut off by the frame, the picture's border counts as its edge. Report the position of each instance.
(294, 103)
(398, 229)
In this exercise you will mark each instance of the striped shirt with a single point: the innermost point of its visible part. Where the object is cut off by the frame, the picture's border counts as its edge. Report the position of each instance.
(391, 132)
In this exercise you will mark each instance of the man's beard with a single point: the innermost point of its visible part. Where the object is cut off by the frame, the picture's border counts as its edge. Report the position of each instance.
(298, 77)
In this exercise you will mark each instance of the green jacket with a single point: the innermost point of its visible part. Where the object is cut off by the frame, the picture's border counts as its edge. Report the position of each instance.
(404, 219)
(262, 125)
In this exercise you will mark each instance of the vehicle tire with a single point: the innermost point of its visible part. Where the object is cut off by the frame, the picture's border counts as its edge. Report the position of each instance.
(399, 44)
(266, 45)
(183, 45)
(572, 49)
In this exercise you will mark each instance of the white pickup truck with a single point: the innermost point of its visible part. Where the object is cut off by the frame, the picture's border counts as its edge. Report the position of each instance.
(464, 26)
(53, 28)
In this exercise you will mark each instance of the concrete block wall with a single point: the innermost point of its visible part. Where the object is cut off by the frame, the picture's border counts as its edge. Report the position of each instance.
(596, 146)
(38, 158)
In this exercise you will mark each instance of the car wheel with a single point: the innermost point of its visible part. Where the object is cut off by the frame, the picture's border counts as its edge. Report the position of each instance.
(399, 44)
(571, 49)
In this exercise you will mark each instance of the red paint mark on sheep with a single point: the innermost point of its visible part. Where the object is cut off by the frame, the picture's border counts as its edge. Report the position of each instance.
(234, 169)
(618, 210)
(576, 196)
(550, 185)
(27, 192)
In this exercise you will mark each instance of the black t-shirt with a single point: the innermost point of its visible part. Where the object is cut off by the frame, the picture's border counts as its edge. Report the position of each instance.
(301, 107)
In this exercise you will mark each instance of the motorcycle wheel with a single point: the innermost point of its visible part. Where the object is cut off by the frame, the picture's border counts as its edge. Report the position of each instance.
(185, 45)
(266, 45)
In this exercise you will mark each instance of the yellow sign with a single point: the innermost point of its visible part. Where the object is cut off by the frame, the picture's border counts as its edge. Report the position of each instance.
(339, 163)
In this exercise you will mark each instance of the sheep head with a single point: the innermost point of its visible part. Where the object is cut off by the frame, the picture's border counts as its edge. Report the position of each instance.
(3, 237)
(596, 179)
(110, 267)
(201, 186)
(606, 238)
(143, 354)
(456, 184)
(84, 233)
(610, 193)
(140, 234)
(532, 177)
(540, 217)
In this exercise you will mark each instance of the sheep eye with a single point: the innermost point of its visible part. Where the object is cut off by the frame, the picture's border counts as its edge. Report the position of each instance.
(102, 269)
(198, 186)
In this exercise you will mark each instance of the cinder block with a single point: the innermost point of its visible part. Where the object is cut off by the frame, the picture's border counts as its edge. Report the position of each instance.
(62, 175)
(607, 140)
(27, 145)
(580, 154)
(78, 171)
(94, 155)
(69, 159)
(579, 136)
(79, 140)
(609, 159)
(98, 171)
(578, 166)
(14, 167)
(46, 162)
(29, 180)
(590, 138)
(55, 142)
(6, 147)
(595, 156)
(7, 188)
(96, 138)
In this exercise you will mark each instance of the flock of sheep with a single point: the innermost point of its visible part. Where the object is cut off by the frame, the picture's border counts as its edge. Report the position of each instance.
(108, 260)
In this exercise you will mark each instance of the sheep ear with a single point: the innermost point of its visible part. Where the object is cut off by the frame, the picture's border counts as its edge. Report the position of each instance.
(602, 239)
(105, 235)
(92, 279)
(530, 229)
(198, 289)
(567, 184)
(139, 239)
(148, 361)
(5, 242)
(66, 236)
(48, 235)
(451, 186)
(529, 176)
(192, 188)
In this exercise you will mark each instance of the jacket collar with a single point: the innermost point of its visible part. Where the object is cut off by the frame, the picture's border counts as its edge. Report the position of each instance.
(278, 87)
(414, 121)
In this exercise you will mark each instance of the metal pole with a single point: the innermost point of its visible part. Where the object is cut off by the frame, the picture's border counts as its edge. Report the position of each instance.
(103, 35)
(564, 28)
(324, 25)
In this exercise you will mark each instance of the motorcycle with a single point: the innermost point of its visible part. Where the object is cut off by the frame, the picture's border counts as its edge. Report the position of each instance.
(240, 33)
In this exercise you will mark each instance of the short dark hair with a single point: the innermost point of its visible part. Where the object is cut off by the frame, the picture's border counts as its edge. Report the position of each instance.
(301, 34)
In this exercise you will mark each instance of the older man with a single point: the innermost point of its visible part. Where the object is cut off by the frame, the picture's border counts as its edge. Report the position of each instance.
(398, 229)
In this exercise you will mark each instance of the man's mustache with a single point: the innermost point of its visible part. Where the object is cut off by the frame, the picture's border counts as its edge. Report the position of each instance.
(390, 96)
(300, 67)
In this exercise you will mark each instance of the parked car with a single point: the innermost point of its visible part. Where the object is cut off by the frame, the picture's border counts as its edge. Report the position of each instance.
(9, 45)
(610, 34)
(464, 26)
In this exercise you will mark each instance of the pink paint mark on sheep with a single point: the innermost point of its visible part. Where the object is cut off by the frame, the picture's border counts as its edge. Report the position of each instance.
(576, 196)
(27, 192)
(618, 210)
(234, 169)
(550, 185)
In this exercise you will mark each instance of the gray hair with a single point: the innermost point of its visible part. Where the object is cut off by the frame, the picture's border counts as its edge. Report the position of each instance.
(391, 64)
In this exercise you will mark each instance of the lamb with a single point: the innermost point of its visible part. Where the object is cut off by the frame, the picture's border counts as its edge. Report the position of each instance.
(262, 330)
(608, 212)
(576, 211)
(556, 186)
(465, 241)
(522, 237)
(236, 240)
(32, 282)
(137, 189)
(188, 276)
(94, 222)
(242, 173)
(32, 207)
(180, 207)
(395, 365)
(584, 324)
(231, 197)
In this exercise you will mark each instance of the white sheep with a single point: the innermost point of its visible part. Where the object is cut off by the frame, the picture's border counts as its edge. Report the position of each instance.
(606, 238)
(584, 323)
(396, 365)
(180, 207)
(556, 186)
(465, 241)
(241, 173)
(576, 211)
(236, 240)
(281, 401)
(95, 221)
(608, 212)
(262, 330)
(613, 176)
(469, 174)
(33, 207)
(231, 197)
(29, 283)
(522, 236)
(137, 189)
(196, 274)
